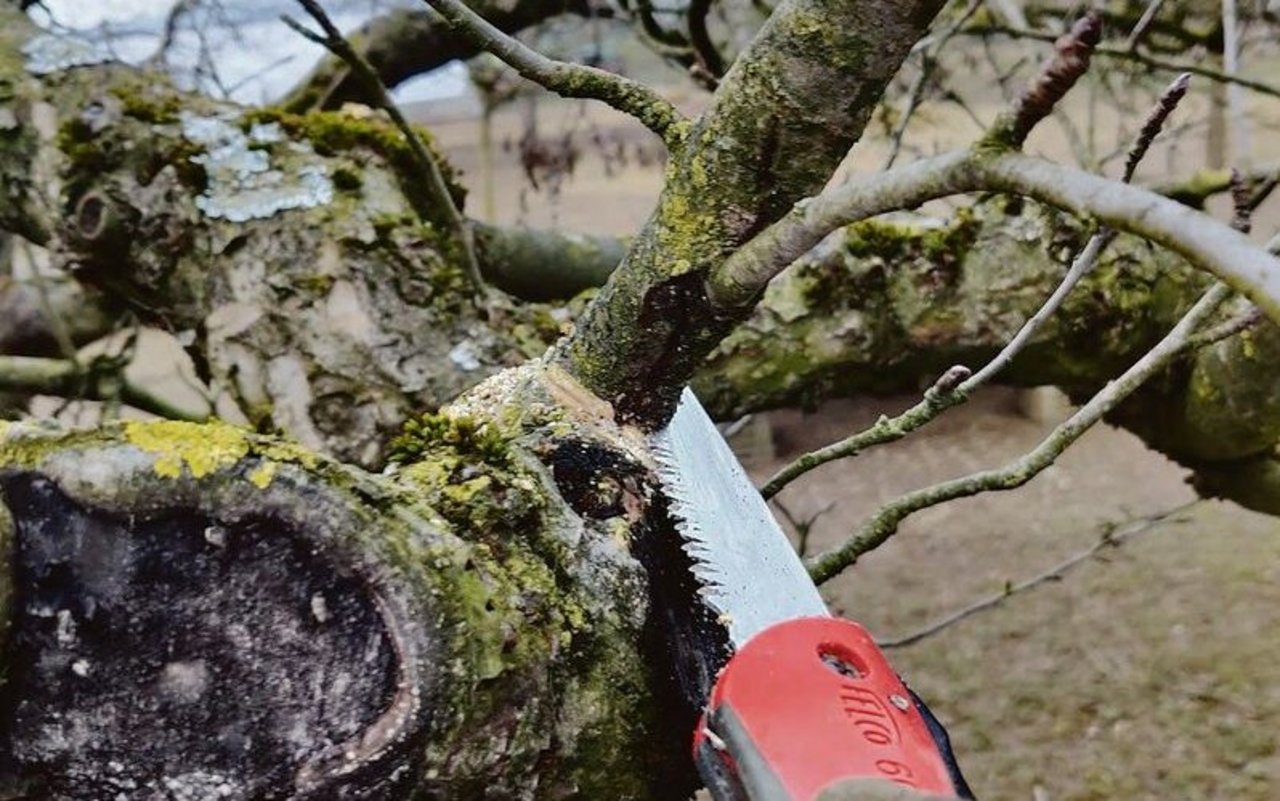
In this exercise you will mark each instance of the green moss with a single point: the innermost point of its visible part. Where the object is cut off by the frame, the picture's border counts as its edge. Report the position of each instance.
(347, 179)
(139, 103)
(81, 146)
(524, 640)
(338, 133)
(892, 241)
(91, 155)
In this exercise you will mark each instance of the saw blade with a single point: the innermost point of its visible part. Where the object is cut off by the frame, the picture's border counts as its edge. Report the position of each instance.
(749, 574)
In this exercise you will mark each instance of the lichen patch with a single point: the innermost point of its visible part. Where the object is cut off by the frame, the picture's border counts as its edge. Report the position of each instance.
(48, 53)
(245, 181)
(200, 448)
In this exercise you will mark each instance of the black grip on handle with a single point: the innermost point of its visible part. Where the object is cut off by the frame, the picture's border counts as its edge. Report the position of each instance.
(943, 741)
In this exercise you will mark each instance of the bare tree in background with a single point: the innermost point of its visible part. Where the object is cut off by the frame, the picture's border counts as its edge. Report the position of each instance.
(424, 567)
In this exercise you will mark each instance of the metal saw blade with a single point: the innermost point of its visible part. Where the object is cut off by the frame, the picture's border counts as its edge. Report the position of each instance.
(749, 574)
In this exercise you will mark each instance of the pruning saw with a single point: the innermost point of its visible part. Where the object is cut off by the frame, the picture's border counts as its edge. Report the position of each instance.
(797, 701)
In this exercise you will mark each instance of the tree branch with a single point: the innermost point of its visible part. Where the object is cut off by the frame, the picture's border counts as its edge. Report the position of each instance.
(406, 42)
(1113, 536)
(33, 375)
(1203, 241)
(1070, 61)
(951, 389)
(544, 265)
(771, 135)
(568, 80)
(1137, 56)
(884, 523)
(700, 38)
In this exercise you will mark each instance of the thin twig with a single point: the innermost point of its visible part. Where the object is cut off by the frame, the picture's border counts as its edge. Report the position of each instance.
(1154, 123)
(567, 80)
(804, 528)
(1070, 60)
(336, 43)
(1120, 52)
(1148, 16)
(884, 523)
(928, 62)
(1113, 536)
(952, 389)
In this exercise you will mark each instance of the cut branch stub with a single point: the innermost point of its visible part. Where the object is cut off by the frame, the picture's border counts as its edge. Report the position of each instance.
(197, 612)
(238, 634)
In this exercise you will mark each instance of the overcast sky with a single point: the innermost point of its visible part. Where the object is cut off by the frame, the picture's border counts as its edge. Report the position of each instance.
(257, 57)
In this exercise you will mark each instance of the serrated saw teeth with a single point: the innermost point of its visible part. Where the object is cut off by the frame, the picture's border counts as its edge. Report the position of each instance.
(749, 574)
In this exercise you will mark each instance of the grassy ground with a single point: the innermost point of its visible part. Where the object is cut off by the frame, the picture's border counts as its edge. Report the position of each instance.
(1150, 675)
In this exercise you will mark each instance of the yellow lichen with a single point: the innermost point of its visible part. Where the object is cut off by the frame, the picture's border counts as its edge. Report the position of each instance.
(200, 447)
(289, 452)
(261, 475)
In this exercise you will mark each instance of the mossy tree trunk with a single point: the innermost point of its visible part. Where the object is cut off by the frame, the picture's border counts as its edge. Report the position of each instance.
(474, 621)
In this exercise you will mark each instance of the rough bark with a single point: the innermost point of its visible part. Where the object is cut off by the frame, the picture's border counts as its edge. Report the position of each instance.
(474, 624)
(782, 119)
(335, 323)
(313, 280)
(237, 617)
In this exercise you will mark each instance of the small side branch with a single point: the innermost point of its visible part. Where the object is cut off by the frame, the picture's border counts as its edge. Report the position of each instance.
(953, 388)
(884, 524)
(1070, 61)
(567, 80)
(1113, 536)
(65, 378)
(957, 384)
(929, 54)
(1124, 53)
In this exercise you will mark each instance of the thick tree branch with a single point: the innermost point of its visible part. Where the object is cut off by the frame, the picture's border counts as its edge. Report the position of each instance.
(780, 122)
(544, 265)
(408, 42)
(568, 80)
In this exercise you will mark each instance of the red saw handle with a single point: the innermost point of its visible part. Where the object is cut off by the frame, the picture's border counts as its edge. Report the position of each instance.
(810, 702)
